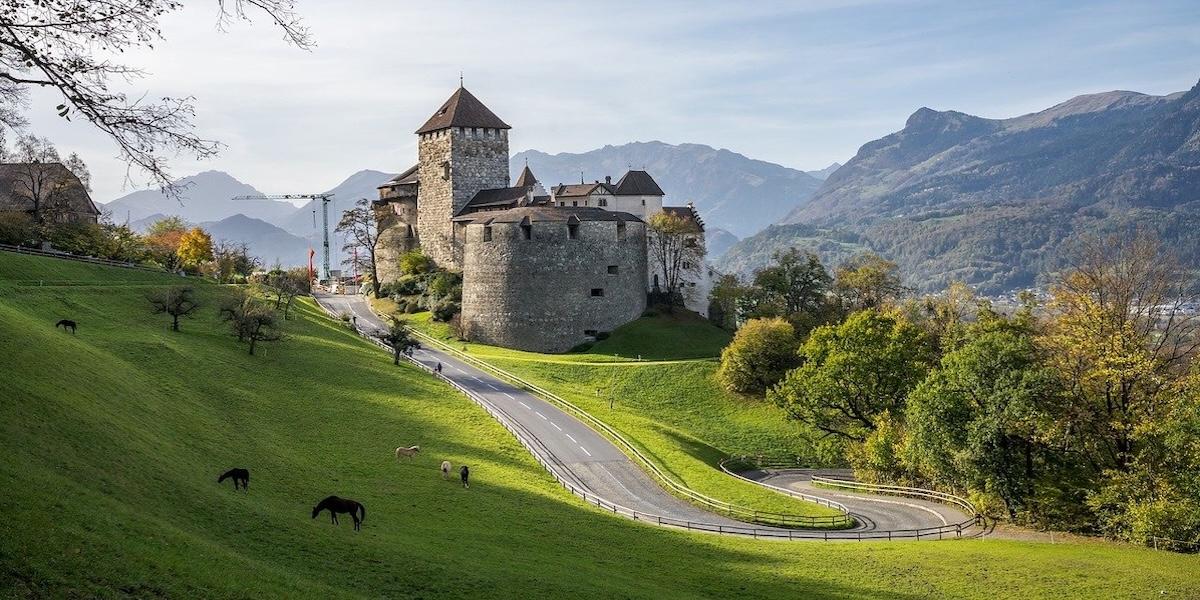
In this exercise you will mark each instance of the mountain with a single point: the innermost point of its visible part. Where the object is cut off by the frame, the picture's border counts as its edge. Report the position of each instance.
(205, 196)
(264, 240)
(755, 252)
(362, 184)
(992, 202)
(143, 224)
(717, 241)
(824, 174)
(732, 192)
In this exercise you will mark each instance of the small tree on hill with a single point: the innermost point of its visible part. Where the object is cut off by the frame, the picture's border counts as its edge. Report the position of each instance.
(761, 353)
(250, 320)
(675, 250)
(868, 281)
(195, 247)
(399, 338)
(175, 301)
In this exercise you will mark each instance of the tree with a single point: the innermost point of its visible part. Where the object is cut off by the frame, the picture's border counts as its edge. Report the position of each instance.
(175, 301)
(232, 262)
(163, 238)
(363, 241)
(853, 372)
(675, 251)
(195, 247)
(399, 338)
(797, 281)
(979, 421)
(296, 282)
(69, 46)
(761, 353)
(868, 281)
(38, 178)
(724, 302)
(250, 320)
(1121, 336)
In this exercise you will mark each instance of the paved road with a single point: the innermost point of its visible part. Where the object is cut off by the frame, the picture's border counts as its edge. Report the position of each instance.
(873, 512)
(594, 464)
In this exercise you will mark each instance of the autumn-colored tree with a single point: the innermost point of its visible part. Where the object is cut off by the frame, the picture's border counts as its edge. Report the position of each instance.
(675, 251)
(162, 240)
(759, 356)
(868, 281)
(195, 247)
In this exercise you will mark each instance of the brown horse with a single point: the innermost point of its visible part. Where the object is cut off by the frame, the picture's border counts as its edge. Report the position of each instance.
(336, 505)
(239, 476)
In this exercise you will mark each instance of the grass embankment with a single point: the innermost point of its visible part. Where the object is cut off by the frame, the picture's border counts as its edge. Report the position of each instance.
(112, 440)
(669, 406)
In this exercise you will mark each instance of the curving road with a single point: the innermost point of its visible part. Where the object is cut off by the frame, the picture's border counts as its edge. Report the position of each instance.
(583, 457)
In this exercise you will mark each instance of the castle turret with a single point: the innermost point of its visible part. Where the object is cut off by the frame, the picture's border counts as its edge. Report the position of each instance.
(462, 149)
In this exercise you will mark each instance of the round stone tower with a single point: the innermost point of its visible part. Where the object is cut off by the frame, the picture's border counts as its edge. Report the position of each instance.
(547, 278)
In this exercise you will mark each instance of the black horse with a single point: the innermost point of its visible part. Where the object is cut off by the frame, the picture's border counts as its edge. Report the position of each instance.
(465, 474)
(66, 324)
(239, 476)
(336, 505)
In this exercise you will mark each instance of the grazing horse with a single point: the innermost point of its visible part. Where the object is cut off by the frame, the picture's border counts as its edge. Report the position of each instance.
(239, 476)
(66, 324)
(445, 469)
(408, 452)
(465, 474)
(336, 505)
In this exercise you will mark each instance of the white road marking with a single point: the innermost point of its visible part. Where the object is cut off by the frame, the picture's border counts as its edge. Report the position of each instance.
(493, 387)
(525, 405)
(556, 425)
(573, 440)
(585, 451)
(541, 415)
(477, 379)
(510, 396)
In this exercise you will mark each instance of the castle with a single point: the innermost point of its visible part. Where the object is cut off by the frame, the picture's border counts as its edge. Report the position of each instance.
(543, 270)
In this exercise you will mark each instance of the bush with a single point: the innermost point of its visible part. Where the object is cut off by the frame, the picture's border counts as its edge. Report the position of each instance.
(445, 310)
(415, 263)
(16, 228)
(410, 305)
(759, 356)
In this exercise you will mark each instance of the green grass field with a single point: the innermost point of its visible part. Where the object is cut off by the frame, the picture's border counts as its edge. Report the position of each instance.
(673, 411)
(112, 440)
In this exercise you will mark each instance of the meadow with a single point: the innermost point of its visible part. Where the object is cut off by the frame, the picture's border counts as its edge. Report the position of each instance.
(113, 439)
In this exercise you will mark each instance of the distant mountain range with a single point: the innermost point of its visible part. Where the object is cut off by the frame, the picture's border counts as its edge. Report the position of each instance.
(735, 193)
(991, 201)
(205, 196)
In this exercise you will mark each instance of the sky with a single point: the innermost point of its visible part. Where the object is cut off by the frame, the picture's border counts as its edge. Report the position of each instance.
(802, 84)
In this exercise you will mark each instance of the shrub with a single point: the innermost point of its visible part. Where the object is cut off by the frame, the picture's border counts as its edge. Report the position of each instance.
(16, 228)
(415, 263)
(759, 356)
(445, 310)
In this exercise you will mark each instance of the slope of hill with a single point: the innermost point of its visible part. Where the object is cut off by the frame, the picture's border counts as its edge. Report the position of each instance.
(824, 174)
(991, 202)
(206, 196)
(733, 192)
(269, 243)
(718, 241)
(112, 440)
(362, 184)
(832, 245)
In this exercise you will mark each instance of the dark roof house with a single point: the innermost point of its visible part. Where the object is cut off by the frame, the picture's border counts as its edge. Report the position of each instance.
(462, 110)
(55, 184)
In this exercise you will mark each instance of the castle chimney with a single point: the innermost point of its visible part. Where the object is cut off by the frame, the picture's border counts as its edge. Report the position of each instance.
(608, 179)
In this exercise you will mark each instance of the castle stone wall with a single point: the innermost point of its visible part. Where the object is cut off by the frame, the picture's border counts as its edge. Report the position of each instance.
(536, 294)
(477, 159)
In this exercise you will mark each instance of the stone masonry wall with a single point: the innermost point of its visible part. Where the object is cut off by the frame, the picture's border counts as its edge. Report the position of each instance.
(478, 160)
(397, 222)
(537, 294)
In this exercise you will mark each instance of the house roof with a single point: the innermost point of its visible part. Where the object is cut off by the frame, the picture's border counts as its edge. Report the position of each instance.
(638, 183)
(581, 189)
(525, 178)
(409, 175)
(14, 192)
(685, 212)
(462, 109)
(493, 198)
(550, 214)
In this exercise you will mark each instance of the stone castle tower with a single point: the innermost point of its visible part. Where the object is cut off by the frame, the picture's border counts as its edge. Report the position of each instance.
(461, 149)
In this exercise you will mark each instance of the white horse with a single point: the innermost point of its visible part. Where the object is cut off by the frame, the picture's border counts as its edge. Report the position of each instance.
(408, 452)
(445, 469)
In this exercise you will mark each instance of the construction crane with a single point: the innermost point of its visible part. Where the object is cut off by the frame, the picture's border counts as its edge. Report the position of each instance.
(325, 199)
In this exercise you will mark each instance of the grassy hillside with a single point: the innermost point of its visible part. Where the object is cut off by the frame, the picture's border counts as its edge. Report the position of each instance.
(112, 441)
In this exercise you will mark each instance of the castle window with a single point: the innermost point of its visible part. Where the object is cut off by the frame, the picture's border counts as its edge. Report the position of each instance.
(590, 332)
(602, 202)
(527, 231)
(445, 169)
(574, 203)
(612, 269)
(597, 292)
(487, 233)
(620, 231)
(643, 201)
(572, 231)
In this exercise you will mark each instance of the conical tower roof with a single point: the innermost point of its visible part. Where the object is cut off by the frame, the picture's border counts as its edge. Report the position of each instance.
(462, 110)
(526, 178)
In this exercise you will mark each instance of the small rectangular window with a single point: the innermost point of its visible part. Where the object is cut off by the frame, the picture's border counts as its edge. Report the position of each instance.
(574, 203)
(620, 231)
(612, 269)
(590, 332)
(597, 292)
(487, 234)
(572, 231)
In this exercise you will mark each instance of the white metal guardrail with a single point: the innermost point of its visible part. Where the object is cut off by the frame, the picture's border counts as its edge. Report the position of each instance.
(563, 475)
(842, 520)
